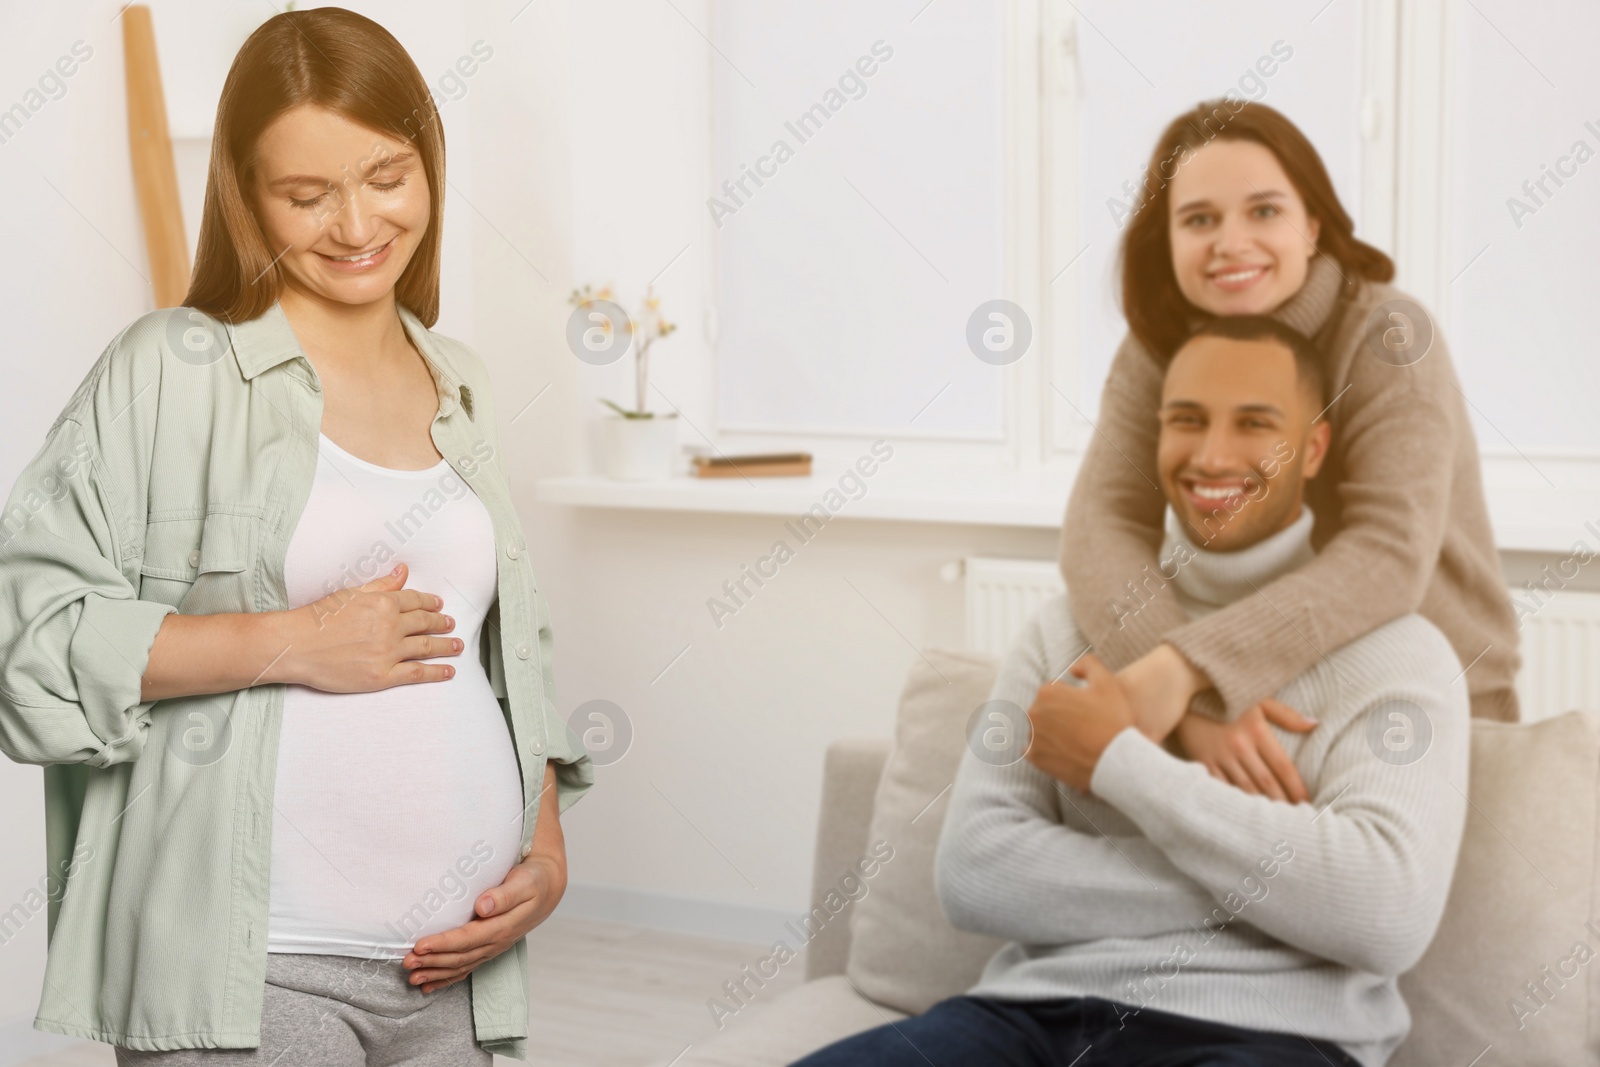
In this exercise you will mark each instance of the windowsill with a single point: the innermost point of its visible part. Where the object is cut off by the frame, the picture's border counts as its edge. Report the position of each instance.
(994, 505)
(1526, 517)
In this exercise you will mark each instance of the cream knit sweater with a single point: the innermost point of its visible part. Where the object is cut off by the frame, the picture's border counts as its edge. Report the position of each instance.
(1169, 889)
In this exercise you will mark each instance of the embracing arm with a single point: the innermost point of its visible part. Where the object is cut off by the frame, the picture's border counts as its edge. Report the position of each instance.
(1114, 523)
(1122, 598)
(1398, 439)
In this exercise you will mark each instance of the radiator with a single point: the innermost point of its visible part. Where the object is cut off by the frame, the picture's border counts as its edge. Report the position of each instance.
(1560, 639)
(1560, 645)
(1002, 595)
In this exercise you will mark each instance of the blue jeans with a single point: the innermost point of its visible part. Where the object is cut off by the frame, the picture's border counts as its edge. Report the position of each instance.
(1078, 1031)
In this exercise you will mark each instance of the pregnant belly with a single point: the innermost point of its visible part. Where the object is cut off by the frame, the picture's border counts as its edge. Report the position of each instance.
(393, 811)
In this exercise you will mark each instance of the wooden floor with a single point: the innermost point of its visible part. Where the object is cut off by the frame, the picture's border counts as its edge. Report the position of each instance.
(604, 995)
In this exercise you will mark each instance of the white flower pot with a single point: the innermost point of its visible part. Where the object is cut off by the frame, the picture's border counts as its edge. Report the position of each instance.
(639, 450)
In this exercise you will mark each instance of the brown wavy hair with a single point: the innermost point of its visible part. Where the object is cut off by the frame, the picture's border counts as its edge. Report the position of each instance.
(1158, 313)
(334, 59)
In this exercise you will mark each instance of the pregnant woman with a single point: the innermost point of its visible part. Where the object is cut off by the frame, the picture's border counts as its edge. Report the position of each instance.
(267, 620)
(1239, 217)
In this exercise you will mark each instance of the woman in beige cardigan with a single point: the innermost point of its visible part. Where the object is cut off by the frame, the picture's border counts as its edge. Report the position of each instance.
(1238, 216)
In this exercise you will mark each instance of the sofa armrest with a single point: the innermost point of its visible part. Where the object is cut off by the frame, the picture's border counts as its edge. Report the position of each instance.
(850, 774)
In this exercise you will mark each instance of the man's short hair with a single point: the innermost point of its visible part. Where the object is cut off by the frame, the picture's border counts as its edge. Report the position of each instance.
(1308, 362)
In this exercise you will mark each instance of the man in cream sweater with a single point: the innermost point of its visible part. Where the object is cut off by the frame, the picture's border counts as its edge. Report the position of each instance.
(1157, 915)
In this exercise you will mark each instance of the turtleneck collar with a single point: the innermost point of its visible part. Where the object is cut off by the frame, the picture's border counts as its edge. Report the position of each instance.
(1215, 579)
(1309, 308)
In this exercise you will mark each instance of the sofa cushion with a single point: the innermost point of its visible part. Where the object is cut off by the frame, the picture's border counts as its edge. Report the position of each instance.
(851, 771)
(800, 1021)
(1521, 907)
(903, 951)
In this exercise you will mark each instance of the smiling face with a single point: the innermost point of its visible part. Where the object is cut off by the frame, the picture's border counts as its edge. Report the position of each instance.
(1237, 440)
(1240, 236)
(328, 189)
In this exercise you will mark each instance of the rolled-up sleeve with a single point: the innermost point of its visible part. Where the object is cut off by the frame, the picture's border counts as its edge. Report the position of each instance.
(74, 636)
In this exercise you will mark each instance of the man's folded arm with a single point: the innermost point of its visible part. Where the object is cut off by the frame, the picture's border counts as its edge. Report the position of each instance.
(1007, 867)
(1373, 852)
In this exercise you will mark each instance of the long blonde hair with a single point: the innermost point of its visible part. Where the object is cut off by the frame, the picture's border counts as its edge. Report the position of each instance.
(350, 65)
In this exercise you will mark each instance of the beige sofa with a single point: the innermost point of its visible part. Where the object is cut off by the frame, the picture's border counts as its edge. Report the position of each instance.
(1522, 908)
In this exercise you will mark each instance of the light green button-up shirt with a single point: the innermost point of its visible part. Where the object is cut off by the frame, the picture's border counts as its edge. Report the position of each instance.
(172, 481)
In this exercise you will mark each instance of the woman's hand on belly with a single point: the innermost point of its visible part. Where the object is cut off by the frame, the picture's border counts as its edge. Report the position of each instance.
(505, 914)
(369, 638)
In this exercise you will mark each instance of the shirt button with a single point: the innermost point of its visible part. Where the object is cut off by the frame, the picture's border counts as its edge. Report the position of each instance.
(194, 558)
(523, 651)
(513, 551)
(537, 746)
(527, 849)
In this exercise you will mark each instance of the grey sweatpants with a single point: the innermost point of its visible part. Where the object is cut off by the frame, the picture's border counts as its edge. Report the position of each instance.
(344, 1011)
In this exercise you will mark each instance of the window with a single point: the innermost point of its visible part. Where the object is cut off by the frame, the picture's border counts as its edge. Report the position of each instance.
(858, 217)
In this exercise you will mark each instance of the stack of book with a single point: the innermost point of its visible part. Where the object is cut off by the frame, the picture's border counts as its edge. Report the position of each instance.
(758, 465)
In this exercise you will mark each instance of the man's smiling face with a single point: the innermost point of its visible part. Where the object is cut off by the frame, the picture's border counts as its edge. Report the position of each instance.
(1240, 434)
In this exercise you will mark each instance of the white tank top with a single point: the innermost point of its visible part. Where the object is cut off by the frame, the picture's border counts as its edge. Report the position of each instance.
(393, 810)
